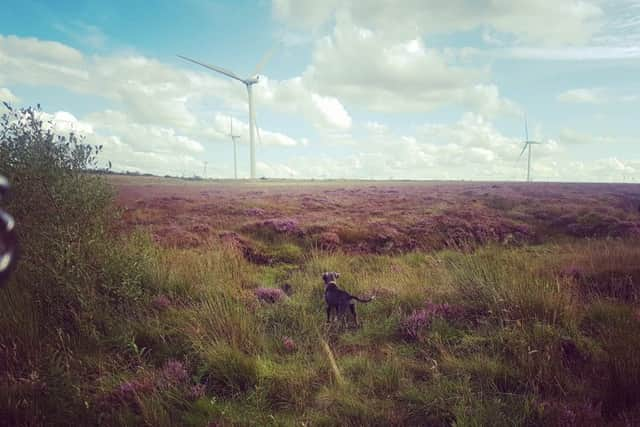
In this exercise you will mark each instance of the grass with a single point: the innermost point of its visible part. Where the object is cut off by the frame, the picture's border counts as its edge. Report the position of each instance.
(528, 345)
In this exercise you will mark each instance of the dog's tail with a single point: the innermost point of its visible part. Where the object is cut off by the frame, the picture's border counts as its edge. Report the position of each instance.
(371, 298)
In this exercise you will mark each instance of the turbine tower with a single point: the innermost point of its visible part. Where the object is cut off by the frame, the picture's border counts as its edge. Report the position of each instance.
(248, 82)
(235, 151)
(527, 145)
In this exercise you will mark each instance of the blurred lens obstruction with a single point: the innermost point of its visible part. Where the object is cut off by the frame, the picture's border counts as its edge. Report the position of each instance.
(8, 242)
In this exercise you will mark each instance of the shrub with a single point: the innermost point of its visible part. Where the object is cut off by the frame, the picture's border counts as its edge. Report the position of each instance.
(73, 282)
(62, 214)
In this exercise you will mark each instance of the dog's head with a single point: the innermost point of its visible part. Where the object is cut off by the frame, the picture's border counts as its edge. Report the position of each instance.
(330, 277)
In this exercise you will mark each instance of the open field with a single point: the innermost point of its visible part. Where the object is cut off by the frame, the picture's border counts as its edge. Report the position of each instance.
(496, 304)
(377, 216)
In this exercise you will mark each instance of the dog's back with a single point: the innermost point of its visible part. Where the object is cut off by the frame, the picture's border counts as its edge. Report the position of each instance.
(336, 297)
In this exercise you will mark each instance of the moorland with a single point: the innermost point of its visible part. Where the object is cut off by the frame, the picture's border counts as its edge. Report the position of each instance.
(161, 301)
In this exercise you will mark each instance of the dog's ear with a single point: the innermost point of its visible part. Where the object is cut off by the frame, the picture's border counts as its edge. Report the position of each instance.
(324, 276)
(337, 275)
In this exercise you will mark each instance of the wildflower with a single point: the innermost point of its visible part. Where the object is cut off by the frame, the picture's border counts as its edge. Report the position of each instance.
(196, 391)
(174, 372)
(255, 212)
(289, 344)
(283, 225)
(161, 302)
(128, 390)
(421, 318)
(416, 321)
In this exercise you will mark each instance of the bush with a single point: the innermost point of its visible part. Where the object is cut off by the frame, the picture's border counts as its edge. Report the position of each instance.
(73, 282)
(61, 211)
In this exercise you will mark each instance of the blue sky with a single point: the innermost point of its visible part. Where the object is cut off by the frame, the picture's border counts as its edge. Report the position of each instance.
(357, 89)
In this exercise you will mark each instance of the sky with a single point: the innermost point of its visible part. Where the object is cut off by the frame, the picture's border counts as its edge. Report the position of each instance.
(364, 89)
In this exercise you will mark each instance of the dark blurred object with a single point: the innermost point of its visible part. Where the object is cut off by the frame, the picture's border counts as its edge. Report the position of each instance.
(8, 241)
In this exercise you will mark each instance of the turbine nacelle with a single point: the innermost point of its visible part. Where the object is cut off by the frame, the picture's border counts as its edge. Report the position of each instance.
(252, 80)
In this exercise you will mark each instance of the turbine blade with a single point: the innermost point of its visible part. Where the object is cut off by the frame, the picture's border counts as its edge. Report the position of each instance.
(523, 149)
(214, 68)
(526, 129)
(267, 56)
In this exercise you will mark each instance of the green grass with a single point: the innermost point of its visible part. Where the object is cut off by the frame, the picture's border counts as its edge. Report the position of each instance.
(529, 346)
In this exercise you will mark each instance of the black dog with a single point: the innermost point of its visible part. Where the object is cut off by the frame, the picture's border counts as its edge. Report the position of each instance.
(337, 299)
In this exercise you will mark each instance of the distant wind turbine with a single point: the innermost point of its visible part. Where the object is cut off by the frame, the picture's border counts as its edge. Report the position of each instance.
(527, 144)
(204, 172)
(248, 82)
(235, 151)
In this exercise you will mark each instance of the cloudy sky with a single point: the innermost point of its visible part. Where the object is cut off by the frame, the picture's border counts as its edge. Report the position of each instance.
(419, 89)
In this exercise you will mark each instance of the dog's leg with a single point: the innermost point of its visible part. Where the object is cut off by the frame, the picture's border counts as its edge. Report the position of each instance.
(328, 313)
(352, 307)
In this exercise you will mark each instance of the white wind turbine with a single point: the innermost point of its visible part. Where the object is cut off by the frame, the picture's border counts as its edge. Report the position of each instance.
(235, 151)
(248, 82)
(527, 144)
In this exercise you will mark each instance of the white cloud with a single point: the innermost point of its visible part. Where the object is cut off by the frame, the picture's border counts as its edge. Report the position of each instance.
(305, 14)
(7, 96)
(157, 111)
(568, 21)
(222, 128)
(293, 96)
(360, 66)
(572, 136)
(376, 128)
(471, 148)
(151, 91)
(65, 122)
(583, 96)
(572, 53)
(143, 137)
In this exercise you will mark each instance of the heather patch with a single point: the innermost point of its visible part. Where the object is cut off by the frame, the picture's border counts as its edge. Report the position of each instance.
(415, 324)
(269, 228)
(161, 302)
(270, 295)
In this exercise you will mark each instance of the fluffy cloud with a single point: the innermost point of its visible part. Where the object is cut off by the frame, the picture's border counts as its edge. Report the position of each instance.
(150, 91)
(222, 127)
(471, 148)
(157, 111)
(568, 21)
(292, 96)
(361, 66)
(7, 96)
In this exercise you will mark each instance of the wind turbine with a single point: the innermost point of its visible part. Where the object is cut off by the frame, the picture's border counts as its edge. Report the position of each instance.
(235, 151)
(248, 82)
(527, 144)
(204, 172)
